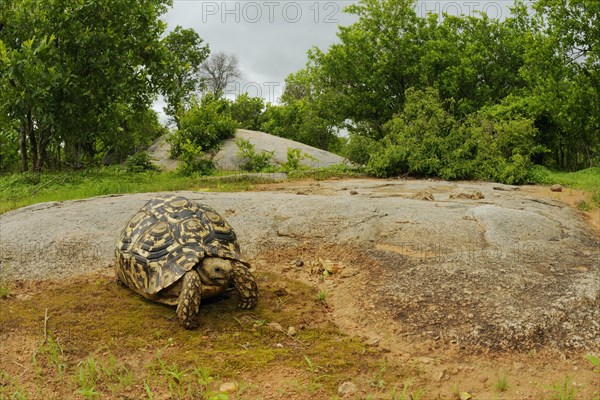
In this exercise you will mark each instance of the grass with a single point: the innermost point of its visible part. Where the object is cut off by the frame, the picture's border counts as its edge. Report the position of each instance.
(19, 190)
(97, 346)
(25, 189)
(405, 394)
(564, 390)
(4, 291)
(321, 296)
(586, 179)
(501, 384)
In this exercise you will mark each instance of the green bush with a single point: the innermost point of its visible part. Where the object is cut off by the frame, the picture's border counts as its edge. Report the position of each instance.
(254, 162)
(425, 140)
(389, 161)
(416, 138)
(358, 149)
(193, 160)
(294, 158)
(139, 162)
(247, 111)
(205, 125)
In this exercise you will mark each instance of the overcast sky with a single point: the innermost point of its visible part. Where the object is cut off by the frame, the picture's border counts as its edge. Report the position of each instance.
(271, 37)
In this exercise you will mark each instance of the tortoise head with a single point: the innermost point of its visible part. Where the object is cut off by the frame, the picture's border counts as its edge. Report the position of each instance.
(215, 271)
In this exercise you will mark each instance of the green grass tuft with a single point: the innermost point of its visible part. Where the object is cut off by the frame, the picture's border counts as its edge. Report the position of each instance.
(501, 384)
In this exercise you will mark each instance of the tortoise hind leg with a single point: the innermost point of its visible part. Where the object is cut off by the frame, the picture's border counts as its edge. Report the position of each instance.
(188, 305)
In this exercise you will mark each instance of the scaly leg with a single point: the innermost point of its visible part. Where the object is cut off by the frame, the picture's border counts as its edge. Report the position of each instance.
(188, 306)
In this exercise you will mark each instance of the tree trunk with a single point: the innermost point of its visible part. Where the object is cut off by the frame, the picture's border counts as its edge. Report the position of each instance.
(35, 167)
(44, 136)
(23, 142)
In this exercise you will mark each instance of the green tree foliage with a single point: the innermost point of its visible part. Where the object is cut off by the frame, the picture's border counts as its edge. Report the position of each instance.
(77, 78)
(205, 124)
(307, 114)
(185, 53)
(426, 140)
(563, 75)
(496, 94)
(247, 111)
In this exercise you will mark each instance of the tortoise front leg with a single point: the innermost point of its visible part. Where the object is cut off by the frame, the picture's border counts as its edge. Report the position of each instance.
(245, 284)
(188, 305)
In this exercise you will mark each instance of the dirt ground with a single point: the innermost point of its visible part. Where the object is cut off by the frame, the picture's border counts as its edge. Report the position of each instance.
(347, 295)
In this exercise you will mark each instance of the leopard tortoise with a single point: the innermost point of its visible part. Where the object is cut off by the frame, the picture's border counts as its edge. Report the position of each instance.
(177, 252)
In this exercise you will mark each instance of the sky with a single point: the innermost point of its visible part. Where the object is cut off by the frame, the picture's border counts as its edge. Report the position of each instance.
(271, 37)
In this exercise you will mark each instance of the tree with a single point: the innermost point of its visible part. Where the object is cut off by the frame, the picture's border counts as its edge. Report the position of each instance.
(247, 111)
(219, 71)
(28, 82)
(205, 124)
(372, 66)
(563, 72)
(308, 114)
(185, 53)
(541, 66)
(75, 76)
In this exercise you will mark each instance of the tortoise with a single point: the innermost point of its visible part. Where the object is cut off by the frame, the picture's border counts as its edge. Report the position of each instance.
(177, 252)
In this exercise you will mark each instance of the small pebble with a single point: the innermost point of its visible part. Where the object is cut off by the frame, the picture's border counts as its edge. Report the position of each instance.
(228, 387)
(276, 326)
(291, 331)
(279, 346)
(347, 389)
(353, 192)
(556, 188)
(299, 263)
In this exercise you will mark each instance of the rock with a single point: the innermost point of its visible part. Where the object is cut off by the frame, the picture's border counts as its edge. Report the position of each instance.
(330, 266)
(279, 346)
(291, 331)
(299, 263)
(439, 376)
(228, 157)
(353, 192)
(556, 188)
(276, 326)
(477, 195)
(281, 292)
(347, 389)
(229, 387)
(423, 196)
(348, 272)
(506, 188)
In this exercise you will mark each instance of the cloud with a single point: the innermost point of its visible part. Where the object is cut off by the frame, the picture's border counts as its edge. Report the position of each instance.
(270, 38)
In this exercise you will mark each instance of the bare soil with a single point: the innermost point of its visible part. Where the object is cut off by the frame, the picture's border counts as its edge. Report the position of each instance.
(382, 287)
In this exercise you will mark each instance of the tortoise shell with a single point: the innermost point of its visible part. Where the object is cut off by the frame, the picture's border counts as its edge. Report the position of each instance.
(169, 236)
